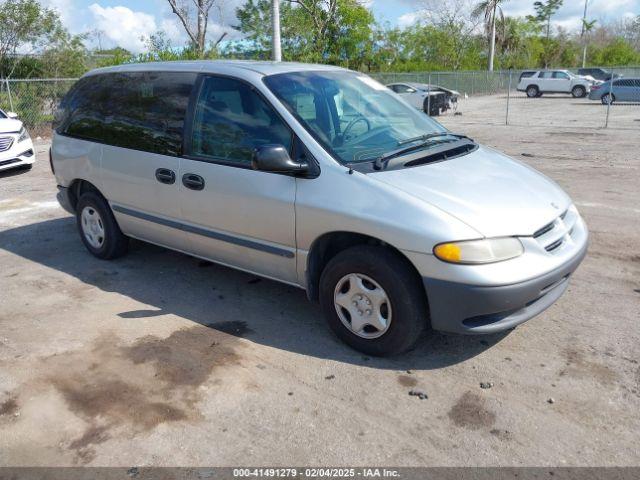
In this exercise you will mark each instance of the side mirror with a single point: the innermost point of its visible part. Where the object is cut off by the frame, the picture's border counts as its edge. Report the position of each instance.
(276, 159)
(12, 115)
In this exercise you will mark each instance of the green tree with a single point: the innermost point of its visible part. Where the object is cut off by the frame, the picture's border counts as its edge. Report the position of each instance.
(327, 31)
(488, 9)
(615, 52)
(545, 10)
(22, 23)
(112, 56)
(65, 56)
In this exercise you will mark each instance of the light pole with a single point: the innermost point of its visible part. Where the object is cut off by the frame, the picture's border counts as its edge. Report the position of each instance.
(275, 24)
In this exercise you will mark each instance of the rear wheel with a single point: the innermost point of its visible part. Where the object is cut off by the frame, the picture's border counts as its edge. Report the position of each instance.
(607, 98)
(578, 91)
(98, 229)
(532, 91)
(373, 300)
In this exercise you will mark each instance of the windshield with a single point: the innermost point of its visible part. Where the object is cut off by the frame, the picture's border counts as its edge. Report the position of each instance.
(355, 118)
(2, 114)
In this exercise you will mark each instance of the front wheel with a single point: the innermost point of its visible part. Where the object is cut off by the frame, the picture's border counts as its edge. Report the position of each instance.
(98, 229)
(373, 300)
(430, 108)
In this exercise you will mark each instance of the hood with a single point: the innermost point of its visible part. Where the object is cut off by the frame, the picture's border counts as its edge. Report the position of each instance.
(490, 192)
(9, 125)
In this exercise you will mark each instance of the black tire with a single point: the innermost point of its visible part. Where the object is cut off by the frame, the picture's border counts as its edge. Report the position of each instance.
(532, 91)
(114, 242)
(403, 286)
(605, 98)
(430, 109)
(578, 91)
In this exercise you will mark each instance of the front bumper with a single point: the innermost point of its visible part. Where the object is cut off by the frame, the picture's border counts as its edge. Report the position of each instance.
(64, 199)
(19, 154)
(471, 309)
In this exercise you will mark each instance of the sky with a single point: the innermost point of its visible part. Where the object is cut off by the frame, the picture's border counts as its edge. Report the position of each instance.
(124, 22)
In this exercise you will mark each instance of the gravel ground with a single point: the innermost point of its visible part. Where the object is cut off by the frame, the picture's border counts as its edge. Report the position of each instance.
(161, 359)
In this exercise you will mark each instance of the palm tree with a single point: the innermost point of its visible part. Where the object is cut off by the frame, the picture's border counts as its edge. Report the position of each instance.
(489, 9)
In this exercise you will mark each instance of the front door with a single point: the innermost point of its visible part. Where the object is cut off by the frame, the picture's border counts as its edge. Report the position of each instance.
(561, 82)
(233, 214)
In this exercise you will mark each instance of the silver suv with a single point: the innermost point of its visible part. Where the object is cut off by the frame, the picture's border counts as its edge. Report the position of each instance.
(537, 82)
(321, 178)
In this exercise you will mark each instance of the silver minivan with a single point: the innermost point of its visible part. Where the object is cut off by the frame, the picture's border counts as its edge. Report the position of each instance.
(318, 177)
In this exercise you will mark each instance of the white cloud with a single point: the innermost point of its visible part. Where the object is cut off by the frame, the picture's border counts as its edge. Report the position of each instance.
(410, 18)
(123, 26)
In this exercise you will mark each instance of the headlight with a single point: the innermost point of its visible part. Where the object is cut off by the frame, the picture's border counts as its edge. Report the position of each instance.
(472, 252)
(24, 135)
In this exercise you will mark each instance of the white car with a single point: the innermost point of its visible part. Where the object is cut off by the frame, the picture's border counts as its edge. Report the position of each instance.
(537, 82)
(16, 148)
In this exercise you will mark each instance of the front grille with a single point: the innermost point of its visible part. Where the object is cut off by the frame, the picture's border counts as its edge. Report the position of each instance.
(553, 236)
(5, 143)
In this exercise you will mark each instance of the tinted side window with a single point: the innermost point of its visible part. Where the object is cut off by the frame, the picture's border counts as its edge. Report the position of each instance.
(545, 74)
(526, 75)
(231, 120)
(75, 106)
(142, 111)
(560, 75)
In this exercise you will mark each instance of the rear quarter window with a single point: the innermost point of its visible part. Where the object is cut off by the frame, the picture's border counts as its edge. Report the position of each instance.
(137, 110)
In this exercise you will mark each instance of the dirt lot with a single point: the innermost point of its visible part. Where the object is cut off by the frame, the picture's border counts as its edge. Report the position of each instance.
(160, 359)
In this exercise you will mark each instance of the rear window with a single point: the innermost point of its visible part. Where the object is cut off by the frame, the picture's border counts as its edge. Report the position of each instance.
(138, 110)
(526, 75)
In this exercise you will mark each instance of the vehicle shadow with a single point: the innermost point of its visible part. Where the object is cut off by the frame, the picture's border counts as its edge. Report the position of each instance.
(238, 303)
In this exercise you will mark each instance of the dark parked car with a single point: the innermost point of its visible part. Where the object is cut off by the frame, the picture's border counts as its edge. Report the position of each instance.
(597, 73)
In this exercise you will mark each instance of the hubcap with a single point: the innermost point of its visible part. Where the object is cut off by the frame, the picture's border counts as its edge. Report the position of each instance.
(362, 305)
(92, 227)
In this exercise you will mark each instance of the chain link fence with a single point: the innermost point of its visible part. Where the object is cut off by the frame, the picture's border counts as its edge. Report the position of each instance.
(485, 97)
(494, 98)
(34, 100)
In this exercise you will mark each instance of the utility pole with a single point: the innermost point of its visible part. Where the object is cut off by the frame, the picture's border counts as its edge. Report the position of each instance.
(582, 35)
(275, 24)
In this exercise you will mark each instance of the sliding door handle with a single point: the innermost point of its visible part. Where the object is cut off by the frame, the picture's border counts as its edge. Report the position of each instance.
(193, 181)
(164, 175)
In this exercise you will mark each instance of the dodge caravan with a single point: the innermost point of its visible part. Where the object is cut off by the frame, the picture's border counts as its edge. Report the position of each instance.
(318, 177)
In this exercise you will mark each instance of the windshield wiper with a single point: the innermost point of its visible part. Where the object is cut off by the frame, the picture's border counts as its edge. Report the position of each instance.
(427, 136)
(381, 162)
